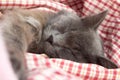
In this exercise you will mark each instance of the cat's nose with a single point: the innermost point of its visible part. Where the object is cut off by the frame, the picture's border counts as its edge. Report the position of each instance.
(50, 39)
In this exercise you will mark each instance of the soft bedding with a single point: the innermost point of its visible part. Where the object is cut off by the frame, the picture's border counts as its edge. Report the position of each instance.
(41, 67)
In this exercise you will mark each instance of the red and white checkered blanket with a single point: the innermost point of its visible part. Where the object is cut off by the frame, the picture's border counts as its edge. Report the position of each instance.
(42, 68)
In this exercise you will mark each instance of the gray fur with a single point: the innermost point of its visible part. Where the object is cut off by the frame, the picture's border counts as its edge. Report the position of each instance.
(64, 35)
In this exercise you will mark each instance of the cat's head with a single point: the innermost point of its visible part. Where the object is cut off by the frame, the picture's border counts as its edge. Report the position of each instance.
(68, 36)
(66, 29)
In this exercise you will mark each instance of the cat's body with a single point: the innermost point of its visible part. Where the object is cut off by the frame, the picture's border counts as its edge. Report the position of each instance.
(65, 35)
(20, 28)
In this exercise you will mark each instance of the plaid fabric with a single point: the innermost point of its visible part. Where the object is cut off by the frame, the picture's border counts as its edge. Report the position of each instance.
(42, 68)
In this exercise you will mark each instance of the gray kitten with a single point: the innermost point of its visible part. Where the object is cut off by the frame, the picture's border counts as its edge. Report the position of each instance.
(68, 36)
(64, 35)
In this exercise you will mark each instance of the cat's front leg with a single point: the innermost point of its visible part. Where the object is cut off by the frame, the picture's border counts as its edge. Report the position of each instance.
(18, 32)
(16, 46)
(18, 64)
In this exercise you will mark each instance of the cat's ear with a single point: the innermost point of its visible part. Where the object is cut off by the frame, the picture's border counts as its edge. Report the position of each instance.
(106, 62)
(94, 21)
(36, 25)
(33, 22)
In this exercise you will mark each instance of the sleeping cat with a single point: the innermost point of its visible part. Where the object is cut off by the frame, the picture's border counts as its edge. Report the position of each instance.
(20, 28)
(64, 35)
(68, 36)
